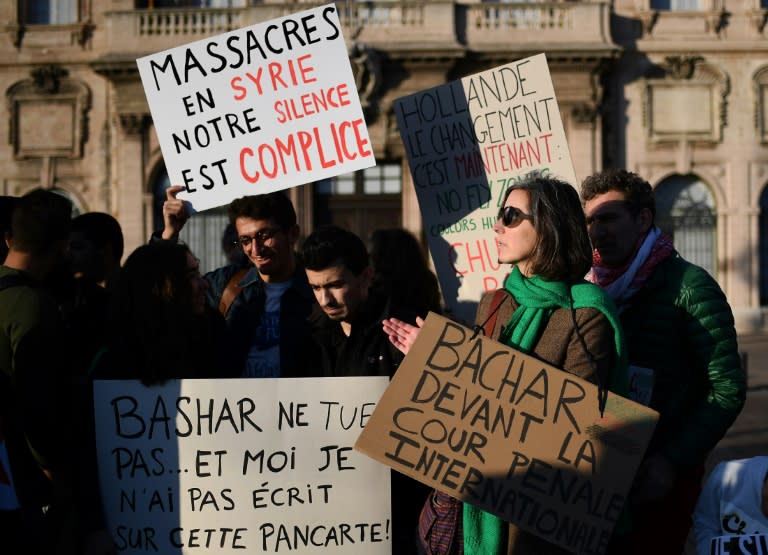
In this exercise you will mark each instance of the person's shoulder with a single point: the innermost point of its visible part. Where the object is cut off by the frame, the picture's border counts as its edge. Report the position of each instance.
(220, 277)
(676, 266)
(21, 293)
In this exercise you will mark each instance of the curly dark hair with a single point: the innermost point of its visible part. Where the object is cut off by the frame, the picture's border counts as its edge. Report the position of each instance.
(563, 251)
(274, 206)
(330, 244)
(637, 191)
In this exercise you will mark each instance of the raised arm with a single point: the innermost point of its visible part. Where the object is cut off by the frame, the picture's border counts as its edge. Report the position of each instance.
(175, 213)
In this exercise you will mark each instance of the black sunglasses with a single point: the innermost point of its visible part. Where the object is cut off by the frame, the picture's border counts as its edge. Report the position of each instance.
(511, 216)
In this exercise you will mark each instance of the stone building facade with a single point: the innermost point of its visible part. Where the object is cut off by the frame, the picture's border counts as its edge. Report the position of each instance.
(673, 89)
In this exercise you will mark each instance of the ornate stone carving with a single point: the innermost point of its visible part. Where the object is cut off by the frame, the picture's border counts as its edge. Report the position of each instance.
(584, 112)
(688, 102)
(133, 123)
(681, 67)
(366, 68)
(760, 81)
(16, 33)
(48, 78)
(48, 115)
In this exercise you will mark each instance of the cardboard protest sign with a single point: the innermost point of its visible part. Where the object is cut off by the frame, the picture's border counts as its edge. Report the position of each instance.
(466, 142)
(749, 544)
(258, 109)
(510, 434)
(241, 466)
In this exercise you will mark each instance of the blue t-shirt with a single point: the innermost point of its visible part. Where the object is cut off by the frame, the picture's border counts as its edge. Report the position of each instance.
(263, 359)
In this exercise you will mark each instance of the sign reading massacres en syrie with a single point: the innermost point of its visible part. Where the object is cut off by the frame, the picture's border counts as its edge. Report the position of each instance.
(259, 109)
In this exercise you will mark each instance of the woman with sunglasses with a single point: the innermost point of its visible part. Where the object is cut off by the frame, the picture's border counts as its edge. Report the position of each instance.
(546, 309)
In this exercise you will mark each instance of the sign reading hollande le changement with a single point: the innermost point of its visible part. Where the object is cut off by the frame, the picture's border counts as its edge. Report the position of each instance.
(258, 109)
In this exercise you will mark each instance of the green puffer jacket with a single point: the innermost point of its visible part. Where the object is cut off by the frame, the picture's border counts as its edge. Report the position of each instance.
(681, 326)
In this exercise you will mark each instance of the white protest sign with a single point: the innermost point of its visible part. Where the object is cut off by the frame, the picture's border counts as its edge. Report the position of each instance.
(241, 466)
(748, 544)
(466, 142)
(258, 109)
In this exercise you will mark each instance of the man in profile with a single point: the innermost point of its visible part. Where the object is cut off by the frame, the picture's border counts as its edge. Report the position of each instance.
(683, 355)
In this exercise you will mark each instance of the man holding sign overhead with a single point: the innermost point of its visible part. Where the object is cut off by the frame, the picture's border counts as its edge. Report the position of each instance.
(266, 307)
(547, 310)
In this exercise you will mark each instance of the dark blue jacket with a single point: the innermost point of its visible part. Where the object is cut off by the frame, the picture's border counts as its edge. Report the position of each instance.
(246, 311)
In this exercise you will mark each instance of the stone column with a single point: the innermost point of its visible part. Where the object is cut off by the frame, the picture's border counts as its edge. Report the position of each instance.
(129, 179)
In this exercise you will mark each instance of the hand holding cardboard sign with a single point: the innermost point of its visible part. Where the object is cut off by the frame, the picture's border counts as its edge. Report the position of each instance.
(175, 213)
(402, 334)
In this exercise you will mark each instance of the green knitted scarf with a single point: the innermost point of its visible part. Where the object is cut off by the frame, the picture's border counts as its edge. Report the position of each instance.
(484, 533)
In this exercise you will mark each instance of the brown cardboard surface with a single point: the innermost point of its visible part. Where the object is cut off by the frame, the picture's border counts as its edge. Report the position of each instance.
(510, 434)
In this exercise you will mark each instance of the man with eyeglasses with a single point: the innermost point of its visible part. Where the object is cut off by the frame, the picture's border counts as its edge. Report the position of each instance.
(683, 354)
(267, 305)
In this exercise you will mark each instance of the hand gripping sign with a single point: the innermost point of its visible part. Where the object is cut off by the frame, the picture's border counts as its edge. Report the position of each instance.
(510, 434)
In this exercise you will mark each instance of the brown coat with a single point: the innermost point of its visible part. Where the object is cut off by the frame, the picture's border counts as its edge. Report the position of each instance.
(560, 346)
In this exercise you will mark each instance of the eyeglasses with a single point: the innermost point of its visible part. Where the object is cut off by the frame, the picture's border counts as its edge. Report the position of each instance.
(261, 237)
(511, 216)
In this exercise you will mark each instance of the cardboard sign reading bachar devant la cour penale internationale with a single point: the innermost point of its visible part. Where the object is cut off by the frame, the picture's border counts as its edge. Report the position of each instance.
(510, 434)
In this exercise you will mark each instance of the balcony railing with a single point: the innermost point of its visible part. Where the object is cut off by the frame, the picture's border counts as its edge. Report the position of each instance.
(389, 25)
(580, 24)
(167, 23)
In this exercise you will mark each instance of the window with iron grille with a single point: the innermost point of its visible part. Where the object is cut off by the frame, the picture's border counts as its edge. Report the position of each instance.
(685, 209)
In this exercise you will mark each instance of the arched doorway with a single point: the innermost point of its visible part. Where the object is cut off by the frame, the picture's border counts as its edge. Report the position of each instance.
(685, 209)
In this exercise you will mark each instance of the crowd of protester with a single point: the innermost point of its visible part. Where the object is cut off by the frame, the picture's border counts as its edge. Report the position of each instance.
(594, 288)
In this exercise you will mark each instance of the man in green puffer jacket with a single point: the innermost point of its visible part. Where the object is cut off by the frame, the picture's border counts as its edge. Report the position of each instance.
(683, 354)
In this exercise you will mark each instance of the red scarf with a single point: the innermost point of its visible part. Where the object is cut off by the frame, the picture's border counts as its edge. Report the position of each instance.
(604, 276)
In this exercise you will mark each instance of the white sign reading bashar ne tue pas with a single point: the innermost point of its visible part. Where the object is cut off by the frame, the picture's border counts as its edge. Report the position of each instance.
(241, 466)
(259, 109)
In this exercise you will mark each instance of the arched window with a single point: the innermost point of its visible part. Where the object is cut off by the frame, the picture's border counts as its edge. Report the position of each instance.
(685, 209)
(763, 246)
(203, 232)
